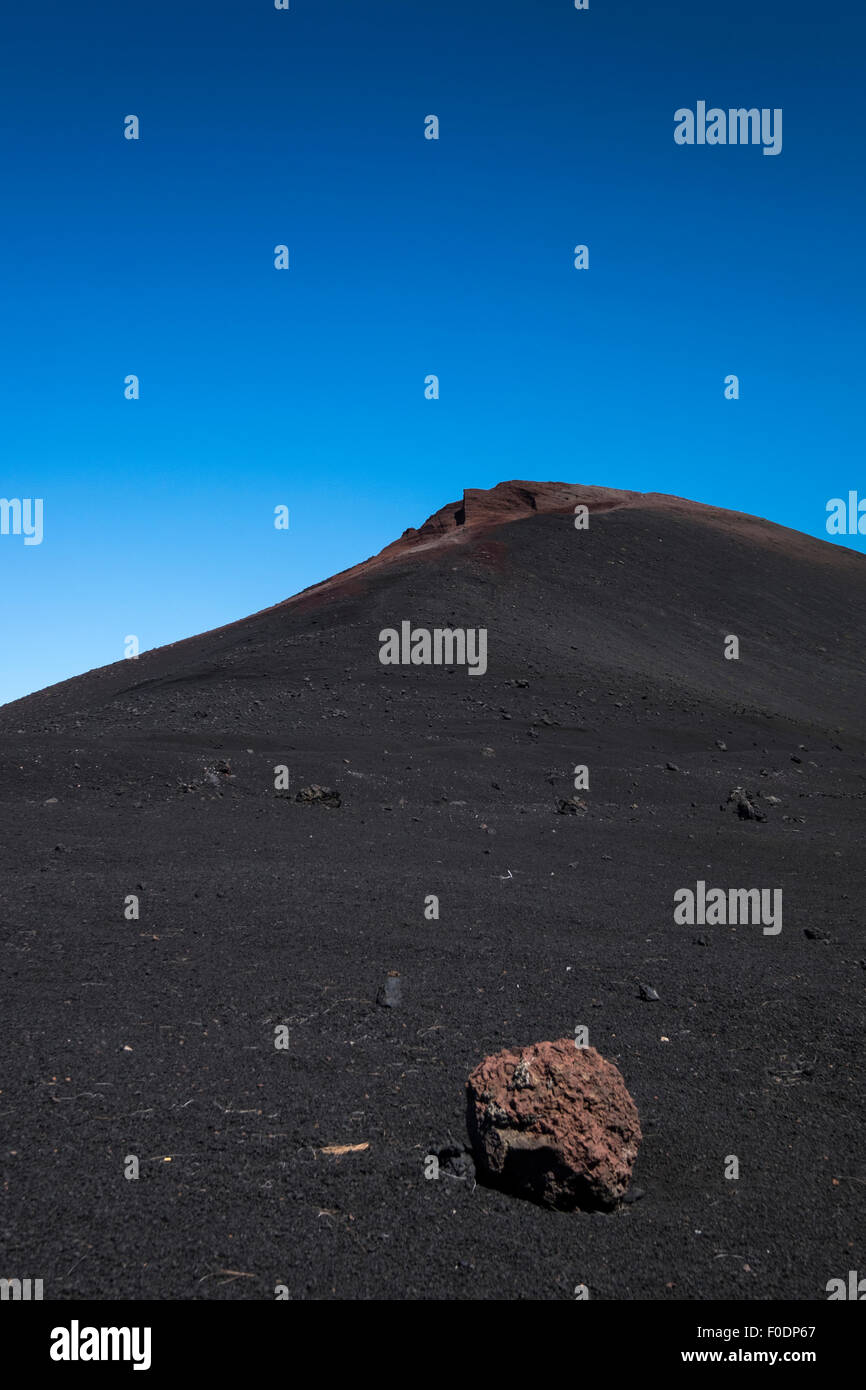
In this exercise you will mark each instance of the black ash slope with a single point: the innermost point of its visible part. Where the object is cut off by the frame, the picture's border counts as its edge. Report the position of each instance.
(155, 1037)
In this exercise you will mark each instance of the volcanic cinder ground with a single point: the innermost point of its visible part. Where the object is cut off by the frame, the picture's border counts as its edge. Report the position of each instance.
(155, 1037)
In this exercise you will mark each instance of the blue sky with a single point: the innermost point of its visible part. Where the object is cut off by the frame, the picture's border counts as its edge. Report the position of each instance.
(408, 257)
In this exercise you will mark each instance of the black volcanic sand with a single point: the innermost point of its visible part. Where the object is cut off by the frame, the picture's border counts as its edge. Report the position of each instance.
(156, 1037)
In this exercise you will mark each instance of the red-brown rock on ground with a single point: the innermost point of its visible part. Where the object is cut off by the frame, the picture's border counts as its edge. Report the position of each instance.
(554, 1123)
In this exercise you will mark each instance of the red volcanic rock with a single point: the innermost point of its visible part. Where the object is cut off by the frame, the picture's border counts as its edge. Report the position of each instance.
(507, 502)
(554, 1123)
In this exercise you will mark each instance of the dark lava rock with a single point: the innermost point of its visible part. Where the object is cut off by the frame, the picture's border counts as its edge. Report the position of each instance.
(554, 1123)
(454, 1161)
(742, 803)
(326, 796)
(572, 807)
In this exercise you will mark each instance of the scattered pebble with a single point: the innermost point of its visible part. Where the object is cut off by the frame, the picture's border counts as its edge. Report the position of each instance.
(390, 996)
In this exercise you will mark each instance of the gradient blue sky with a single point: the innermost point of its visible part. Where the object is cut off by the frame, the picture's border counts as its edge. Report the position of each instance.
(408, 257)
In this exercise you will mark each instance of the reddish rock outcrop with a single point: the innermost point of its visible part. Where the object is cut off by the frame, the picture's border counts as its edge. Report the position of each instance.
(554, 1123)
(511, 501)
